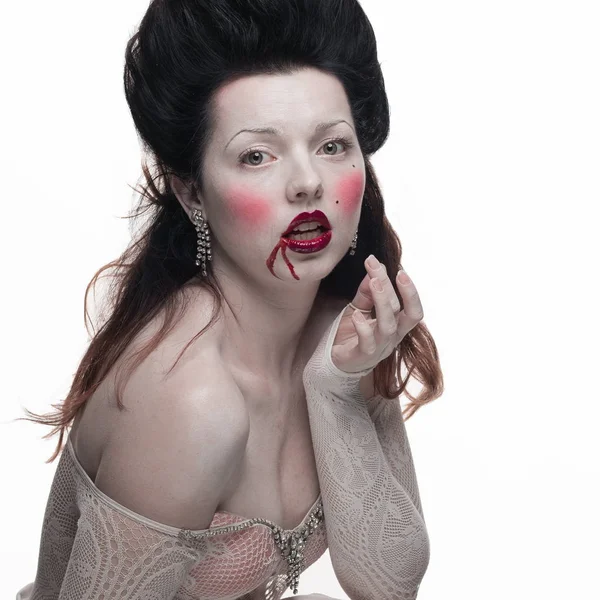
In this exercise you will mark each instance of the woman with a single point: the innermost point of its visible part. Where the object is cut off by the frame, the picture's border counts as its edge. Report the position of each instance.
(223, 464)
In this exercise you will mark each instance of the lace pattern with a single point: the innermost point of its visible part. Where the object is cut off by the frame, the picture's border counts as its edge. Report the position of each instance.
(94, 548)
(377, 537)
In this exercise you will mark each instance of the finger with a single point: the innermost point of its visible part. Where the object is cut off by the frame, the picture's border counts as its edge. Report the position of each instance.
(413, 309)
(366, 338)
(364, 297)
(387, 325)
(380, 272)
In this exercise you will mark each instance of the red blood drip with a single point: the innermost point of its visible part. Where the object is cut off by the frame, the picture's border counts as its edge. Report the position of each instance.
(284, 248)
(283, 244)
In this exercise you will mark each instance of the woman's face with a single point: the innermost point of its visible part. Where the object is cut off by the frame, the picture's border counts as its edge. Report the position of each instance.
(256, 183)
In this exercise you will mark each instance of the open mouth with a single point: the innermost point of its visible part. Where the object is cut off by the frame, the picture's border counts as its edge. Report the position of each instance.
(310, 234)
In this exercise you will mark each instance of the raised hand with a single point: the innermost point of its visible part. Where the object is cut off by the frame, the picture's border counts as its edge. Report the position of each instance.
(362, 342)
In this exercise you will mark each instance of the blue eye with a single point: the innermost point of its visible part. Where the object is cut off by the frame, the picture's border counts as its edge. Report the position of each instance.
(255, 153)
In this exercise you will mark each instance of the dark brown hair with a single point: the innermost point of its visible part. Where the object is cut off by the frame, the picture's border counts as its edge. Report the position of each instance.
(182, 52)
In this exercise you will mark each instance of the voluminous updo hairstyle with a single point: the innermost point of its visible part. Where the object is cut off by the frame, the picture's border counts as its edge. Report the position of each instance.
(182, 52)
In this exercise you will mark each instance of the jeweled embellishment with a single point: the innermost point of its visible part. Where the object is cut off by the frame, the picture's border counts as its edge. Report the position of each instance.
(290, 543)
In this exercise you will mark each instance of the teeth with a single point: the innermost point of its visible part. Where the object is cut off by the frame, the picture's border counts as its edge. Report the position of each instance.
(307, 235)
(307, 226)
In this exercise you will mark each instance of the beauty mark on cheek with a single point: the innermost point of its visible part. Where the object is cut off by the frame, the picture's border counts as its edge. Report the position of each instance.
(349, 191)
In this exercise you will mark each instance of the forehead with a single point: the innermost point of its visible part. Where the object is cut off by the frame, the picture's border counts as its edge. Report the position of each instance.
(295, 101)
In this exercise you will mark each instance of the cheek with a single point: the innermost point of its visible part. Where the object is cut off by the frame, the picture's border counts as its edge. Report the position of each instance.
(349, 192)
(248, 209)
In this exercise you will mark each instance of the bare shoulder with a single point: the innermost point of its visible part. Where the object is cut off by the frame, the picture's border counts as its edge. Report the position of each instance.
(173, 365)
(171, 453)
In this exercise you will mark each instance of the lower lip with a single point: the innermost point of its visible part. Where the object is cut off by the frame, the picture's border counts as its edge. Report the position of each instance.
(308, 246)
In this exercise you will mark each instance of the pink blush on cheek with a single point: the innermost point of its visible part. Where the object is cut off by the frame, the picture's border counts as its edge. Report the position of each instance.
(350, 191)
(250, 209)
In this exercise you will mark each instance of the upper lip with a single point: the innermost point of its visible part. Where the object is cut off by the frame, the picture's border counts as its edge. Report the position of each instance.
(305, 217)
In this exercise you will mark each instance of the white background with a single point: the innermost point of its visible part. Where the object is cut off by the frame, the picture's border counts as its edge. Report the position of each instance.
(491, 178)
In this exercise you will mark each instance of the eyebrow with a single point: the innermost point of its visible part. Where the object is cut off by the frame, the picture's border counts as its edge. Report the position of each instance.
(272, 131)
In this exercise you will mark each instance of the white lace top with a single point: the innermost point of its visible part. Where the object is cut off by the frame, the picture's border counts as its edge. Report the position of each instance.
(368, 513)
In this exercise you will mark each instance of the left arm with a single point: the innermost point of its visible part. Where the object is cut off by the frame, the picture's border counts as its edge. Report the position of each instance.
(386, 415)
(377, 538)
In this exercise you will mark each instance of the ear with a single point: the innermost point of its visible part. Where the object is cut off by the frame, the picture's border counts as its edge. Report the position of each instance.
(187, 195)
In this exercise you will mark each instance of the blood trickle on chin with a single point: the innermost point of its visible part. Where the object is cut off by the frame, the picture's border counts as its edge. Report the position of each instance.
(253, 214)
(271, 260)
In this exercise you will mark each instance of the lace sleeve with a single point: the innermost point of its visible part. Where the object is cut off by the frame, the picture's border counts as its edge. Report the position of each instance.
(386, 415)
(114, 556)
(93, 549)
(378, 541)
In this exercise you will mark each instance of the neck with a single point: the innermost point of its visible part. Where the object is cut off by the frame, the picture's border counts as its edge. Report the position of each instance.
(265, 330)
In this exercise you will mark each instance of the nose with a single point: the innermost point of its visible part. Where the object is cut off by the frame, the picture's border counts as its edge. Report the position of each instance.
(305, 184)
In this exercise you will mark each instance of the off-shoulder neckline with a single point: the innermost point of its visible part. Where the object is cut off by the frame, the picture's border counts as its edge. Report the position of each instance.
(169, 528)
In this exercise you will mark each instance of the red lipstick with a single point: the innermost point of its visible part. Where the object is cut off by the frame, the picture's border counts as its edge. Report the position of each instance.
(306, 246)
(317, 216)
(301, 246)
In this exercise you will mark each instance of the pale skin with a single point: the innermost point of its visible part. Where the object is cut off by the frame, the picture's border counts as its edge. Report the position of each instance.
(254, 185)
(294, 176)
(270, 322)
(296, 172)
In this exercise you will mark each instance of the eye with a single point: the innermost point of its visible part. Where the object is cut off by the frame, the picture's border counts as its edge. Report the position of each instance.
(347, 142)
(254, 153)
(251, 154)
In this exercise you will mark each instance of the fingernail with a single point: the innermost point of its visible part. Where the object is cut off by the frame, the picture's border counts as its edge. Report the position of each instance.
(372, 262)
(403, 277)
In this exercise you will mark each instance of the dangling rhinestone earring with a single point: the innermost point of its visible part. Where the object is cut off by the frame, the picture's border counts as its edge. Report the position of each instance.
(353, 246)
(204, 250)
